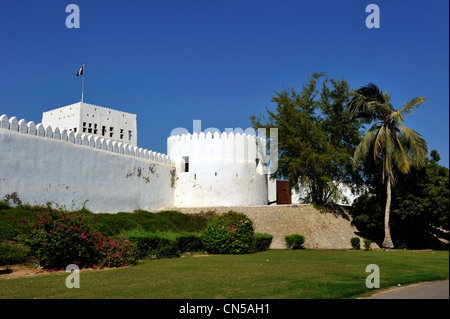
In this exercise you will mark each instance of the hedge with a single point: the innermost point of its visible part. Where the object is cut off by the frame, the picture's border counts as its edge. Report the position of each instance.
(12, 255)
(169, 244)
(230, 233)
(261, 242)
(295, 241)
(164, 244)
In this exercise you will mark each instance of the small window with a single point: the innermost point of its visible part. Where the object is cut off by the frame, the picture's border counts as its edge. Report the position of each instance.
(129, 135)
(215, 173)
(195, 176)
(186, 163)
(111, 133)
(84, 124)
(121, 133)
(103, 130)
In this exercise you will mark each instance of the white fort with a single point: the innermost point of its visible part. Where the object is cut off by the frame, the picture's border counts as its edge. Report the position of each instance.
(83, 154)
(96, 120)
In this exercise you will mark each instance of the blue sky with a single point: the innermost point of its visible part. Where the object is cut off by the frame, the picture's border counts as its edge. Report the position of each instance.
(171, 62)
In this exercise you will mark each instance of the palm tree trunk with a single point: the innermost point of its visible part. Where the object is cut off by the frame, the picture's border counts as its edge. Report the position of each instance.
(387, 243)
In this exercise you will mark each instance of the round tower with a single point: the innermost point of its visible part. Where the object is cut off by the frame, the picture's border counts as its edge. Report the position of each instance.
(218, 169)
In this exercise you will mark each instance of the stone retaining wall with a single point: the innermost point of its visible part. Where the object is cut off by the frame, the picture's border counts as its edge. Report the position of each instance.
(322, 230)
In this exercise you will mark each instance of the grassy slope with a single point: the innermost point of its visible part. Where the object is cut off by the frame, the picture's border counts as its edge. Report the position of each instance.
(271, 274)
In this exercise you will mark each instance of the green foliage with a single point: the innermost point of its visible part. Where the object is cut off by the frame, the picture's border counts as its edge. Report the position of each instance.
(11, 255)
(4, 204)
(113, 224)
(294, 241)
(230, 233)
(388, 144)
(164, 244)
(58, 239)
(367, 243)
(419, 209)
(356, 243)
(7, 230)
(316, 138)
(115, 251)
(261, 242)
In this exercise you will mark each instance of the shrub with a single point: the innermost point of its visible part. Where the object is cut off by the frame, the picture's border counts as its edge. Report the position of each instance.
(115, 252)
(230, 233)
(4, 204)
(355, 241)
(189, 242)
(114, 224)
(367, 243)
(164, 244)
(261, 242)
(7, 231)
(295, 241)
(11, 255)
(58, 239)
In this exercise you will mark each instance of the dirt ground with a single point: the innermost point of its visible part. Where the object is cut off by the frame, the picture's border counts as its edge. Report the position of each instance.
(16, 271)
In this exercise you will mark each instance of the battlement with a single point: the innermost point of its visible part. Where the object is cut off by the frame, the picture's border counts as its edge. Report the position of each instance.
(225, 147)
(88, 140)
(209, 136)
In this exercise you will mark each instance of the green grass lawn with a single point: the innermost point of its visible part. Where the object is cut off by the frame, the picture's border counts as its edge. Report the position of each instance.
(277, 274)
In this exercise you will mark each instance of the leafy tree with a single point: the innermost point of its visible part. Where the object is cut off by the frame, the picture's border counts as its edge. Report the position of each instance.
(392, 145)
(419, 213)
(316, 137)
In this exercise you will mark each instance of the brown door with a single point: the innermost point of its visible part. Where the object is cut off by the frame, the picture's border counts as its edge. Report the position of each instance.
(283, 193)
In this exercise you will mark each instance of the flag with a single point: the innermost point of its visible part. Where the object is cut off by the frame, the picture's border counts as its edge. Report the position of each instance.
(80, 71)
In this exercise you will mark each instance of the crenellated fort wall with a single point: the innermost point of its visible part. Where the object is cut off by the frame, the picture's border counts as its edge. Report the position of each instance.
(42, 164)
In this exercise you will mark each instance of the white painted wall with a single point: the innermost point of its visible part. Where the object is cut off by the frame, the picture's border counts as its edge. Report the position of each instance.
(44, 164)
(90, 119)
(47, 169)
(223, 169)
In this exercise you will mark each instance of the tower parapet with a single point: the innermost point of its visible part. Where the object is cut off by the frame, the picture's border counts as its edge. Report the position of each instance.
(218, 169)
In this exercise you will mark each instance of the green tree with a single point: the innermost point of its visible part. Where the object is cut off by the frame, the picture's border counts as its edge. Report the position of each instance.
(420, 210)
(392, 145)
(316, 137)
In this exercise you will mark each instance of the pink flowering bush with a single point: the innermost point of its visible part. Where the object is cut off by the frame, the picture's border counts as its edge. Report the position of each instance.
(116, 252)
(59, 239)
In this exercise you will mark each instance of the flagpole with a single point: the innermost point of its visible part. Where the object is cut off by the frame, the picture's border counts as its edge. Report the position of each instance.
(82, 85)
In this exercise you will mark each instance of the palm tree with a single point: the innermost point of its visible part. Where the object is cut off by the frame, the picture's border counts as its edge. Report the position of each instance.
(394, 146)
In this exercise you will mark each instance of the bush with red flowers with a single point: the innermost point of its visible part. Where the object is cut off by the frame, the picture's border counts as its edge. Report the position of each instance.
(58, 239)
